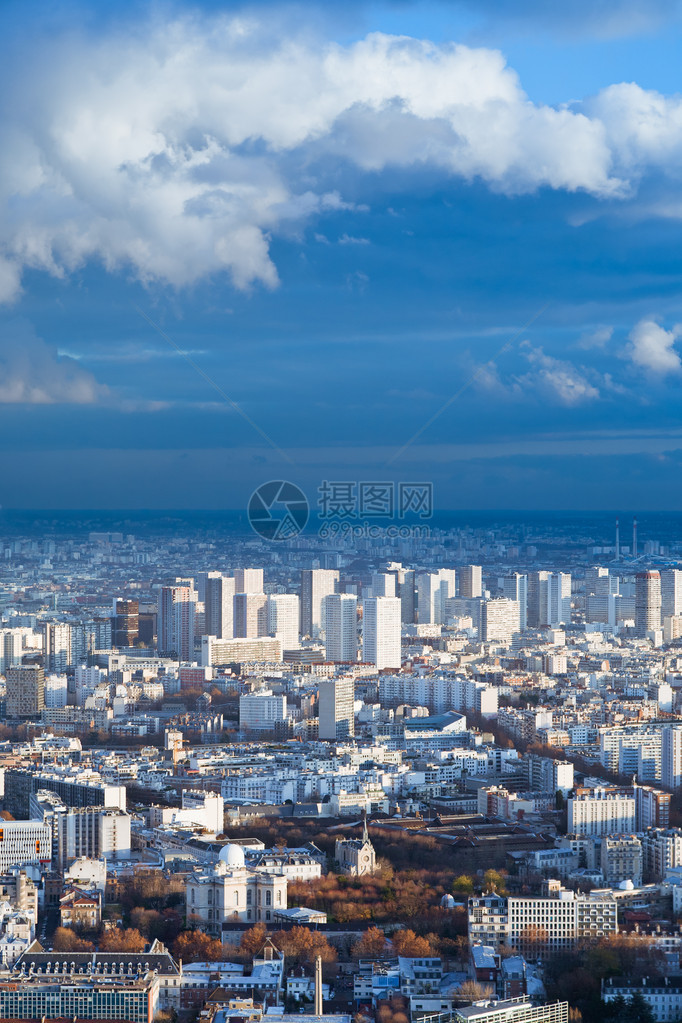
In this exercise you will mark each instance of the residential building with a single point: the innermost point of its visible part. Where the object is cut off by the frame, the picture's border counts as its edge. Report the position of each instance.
(340, 624)
(316, 584)
(336, 709)
(381, 629)
(25, 691)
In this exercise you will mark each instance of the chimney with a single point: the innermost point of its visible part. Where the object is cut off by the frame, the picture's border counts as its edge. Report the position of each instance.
(318, 985)
(617, 540)
(634, 538)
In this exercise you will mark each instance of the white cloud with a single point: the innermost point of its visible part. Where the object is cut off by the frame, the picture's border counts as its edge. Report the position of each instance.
(653, 348)
(597, 338)
(33, 373)
(555, 379)
(176, 149)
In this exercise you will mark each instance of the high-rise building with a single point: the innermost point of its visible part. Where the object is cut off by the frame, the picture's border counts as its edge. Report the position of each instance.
(248, 580)
(340, 611)
(537, 599)
(176, 619)
(126, 622)
(471, 581)
(515, 587)
(25, 691)
(381, 632)
(433, 590)
(558, 599)
(284, 619)
(316, 584)
(405, 589)
(219, 594)
(671, 592)
(602, 811)
(250, 615)
(383, 584)
(500, 619)
(56, 646)
(336, 709)
(647, 602)
(671, 756)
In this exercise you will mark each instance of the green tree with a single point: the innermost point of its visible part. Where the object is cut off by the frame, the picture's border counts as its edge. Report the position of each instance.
(463, 885)
(494, 881)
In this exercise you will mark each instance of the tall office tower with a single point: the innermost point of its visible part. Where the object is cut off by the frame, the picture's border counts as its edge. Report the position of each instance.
(176, 624)
(515, 587)
(284, 619)
(340, 618)
(250, 615)
(671, 756)
(671, 592)
(433, 589)
(537, 600)
(219, 594)
(381, 632)
(335, 712)
(647, 602)
(500, 619)
(471, 581)
(25, 691)
(316, 584)
(405, 589)
(56, 646)
(383, 584)
(558, 599)
(11, 648)
(248, 580)
(600, 582)
(126, 623)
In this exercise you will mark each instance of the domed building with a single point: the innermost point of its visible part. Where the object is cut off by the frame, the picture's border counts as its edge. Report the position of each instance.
(231, 891)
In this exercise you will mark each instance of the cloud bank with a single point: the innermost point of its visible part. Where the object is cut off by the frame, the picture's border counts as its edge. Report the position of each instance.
(175, 151)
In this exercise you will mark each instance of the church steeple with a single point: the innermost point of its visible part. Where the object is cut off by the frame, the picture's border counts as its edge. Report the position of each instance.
(365, 832)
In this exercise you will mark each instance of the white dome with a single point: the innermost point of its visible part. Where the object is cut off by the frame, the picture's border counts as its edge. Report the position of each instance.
(626, 886)
(232, 855)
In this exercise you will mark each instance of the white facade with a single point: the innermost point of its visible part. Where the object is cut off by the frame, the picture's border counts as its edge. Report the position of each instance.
(340, 620)
(381, 630)
(671, 756)
(433, 589)
(56, 691)
(261, 711)
(24, 842)
(558, 599)
(601, 812)
(316, 584)
(515, 587)
(248, 580)
(231, 891)
(219, 605)
(671, 592)
(250, 615)
(336, 709)
(471, 581)
(284, 619)
(500, 619)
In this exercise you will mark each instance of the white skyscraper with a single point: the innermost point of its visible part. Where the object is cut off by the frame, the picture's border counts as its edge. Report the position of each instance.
(671, 756)
(383, 585)
(381, 632)
(248, 580)
(336, 709)
(499, 620)
(515, 587)
(340, 611)
(558, 599)
(250, 615)
(219, 594)
(316, 584)
(471, 581)
(284, 617)
(176, 622)
(647, 602)
(671, 592)
(433, 589)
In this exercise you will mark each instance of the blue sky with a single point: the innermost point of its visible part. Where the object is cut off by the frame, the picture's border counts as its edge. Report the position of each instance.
(344, 219)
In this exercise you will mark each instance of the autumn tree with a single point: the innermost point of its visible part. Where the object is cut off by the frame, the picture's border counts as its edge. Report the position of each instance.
(116, 940)
(197, 947)
(303, 945)
(472, 991)
(371, 944)
(66, 940)
(408, 944)
(252, 941)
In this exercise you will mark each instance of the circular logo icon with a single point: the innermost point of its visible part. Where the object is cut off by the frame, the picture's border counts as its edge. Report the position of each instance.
(278, 510)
